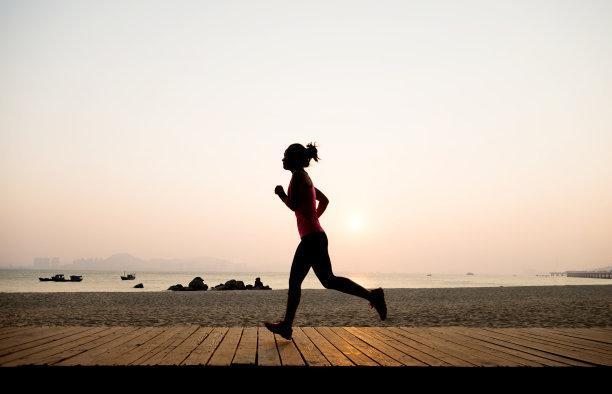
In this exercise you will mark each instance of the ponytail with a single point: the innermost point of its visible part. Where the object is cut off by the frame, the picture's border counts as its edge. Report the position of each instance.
(311, 152)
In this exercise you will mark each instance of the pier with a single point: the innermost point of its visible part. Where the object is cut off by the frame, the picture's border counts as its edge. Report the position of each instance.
(558, 273)
(590, 274)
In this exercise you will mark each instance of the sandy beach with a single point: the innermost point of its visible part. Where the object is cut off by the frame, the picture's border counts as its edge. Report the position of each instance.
(550, 306)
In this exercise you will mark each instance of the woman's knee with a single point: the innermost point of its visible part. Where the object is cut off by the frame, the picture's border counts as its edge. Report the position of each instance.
(329, 281)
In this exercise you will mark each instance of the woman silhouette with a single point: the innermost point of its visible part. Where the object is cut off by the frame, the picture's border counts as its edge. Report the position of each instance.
(312, 250)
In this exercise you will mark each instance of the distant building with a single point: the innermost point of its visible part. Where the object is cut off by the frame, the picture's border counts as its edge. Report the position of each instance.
(87, 264)
(55, 262)
(41, 262)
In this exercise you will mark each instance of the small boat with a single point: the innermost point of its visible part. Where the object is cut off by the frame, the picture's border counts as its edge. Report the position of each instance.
(61, 278)
(428, 274)
(128, 276)
(469, 273)
(54, 278)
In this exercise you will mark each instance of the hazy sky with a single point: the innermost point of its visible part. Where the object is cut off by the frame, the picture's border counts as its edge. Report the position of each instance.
(454, 135)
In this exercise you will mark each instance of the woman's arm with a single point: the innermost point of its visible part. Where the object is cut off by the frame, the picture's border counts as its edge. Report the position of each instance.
(323, 201)
(291, 201)
(284, 197)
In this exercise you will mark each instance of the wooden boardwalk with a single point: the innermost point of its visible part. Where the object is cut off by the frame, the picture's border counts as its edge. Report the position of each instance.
(310, 346)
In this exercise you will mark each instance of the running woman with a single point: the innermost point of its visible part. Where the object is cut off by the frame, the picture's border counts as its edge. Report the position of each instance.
(312, 250)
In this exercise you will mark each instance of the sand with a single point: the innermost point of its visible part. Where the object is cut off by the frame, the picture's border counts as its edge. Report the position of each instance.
(551, 306)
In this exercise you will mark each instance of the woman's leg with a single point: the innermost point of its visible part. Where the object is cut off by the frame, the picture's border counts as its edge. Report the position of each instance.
(322, 268)
(299, 269)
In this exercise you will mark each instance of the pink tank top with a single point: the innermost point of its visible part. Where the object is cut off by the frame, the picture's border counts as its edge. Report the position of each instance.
(306, 213)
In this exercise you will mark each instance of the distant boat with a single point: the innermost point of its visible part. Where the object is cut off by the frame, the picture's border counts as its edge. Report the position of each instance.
(469, 273)
(61, 278)
(428, 274)
(128, 276)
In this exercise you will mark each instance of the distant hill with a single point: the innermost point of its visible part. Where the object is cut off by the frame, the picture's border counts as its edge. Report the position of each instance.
(127, 262)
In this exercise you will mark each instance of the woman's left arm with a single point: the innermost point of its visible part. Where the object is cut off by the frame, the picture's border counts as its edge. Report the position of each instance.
(323, 202)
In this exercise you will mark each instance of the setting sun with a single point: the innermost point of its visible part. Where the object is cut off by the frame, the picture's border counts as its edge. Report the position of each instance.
(356, 223)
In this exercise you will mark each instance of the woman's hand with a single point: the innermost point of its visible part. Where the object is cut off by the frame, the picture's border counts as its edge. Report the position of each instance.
(279, 190)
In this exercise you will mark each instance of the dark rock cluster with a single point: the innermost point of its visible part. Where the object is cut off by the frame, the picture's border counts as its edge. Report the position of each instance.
(198, 284)
(239, 285)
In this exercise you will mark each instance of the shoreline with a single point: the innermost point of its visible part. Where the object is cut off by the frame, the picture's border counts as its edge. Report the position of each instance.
(27, 281)
(518, 306)
(132, 291)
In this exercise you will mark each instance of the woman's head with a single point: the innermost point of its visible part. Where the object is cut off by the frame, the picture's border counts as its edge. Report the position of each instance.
(298, 156)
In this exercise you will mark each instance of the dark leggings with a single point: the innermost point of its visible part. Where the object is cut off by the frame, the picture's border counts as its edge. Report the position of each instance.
(312, 252)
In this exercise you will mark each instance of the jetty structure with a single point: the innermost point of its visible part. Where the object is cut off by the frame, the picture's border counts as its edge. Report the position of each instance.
(590, 274)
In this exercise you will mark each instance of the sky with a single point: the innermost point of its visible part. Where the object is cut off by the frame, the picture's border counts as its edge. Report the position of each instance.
(453, 136)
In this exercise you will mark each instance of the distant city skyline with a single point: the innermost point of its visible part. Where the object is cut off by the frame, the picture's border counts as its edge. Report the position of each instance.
(170, 264)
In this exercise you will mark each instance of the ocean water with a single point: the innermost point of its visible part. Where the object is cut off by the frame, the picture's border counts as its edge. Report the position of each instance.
(17, 281)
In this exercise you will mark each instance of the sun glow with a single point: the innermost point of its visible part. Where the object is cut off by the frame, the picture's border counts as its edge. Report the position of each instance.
(356, 223)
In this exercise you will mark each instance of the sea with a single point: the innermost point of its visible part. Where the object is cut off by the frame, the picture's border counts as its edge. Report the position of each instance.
(26, 281)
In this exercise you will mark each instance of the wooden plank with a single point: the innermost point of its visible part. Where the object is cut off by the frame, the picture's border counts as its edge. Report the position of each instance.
(579, 354)
(201, 354)
(543, 350)
(149, 348)
(405, 338)
(75, 341)
(532, 359)
(267, 353)
(603, 330)
(246, 353)
(224, 354)
(11, 332)
(474, 347)
(289, 355)
(64, 337)
(589, 334)
(57, 353)
(470, 355)
(545, 358)
(394, 340)
(351, 352)
(449, 334)
(23, 340)
(575, 343)
(88, 357)
(379, 357)
(6, 330)
(335, 356)
(124, 353)
(381, 346)
(177, 355)
(105, 337)
(548, 338)
(310, 353)
(39, 338)
(586, 341)
(173, 343)
(584, 356)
